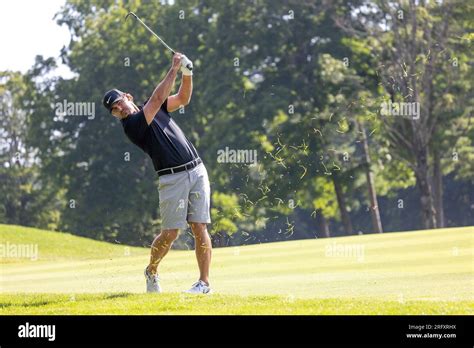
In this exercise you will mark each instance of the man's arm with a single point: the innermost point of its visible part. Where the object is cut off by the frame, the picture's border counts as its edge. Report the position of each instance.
(183, 97)
(162, 91)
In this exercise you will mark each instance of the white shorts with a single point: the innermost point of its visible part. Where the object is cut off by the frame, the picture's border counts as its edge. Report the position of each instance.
(184, 197)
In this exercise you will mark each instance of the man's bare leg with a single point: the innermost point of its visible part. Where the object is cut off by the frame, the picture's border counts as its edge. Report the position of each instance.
(203, 249)
(160, 247)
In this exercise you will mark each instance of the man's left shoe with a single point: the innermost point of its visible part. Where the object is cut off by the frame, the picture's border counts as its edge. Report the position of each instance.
(152, 282)
(199, 288)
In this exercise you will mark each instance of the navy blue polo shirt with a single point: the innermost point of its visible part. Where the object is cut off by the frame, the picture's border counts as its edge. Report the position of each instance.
(162, 139)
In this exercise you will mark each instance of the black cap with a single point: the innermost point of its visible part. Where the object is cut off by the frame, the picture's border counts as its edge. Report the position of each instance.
(111, 97)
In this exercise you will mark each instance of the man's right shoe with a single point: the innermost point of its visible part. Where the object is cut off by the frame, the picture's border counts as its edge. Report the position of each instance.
(152, 282)
(199, 288)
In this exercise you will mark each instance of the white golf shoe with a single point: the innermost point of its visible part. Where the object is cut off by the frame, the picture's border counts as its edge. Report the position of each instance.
(199, 288)
(152, 282)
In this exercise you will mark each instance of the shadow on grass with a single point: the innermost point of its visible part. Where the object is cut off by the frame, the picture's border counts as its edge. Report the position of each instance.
(32, 304)
(117, 295)
(39, 303)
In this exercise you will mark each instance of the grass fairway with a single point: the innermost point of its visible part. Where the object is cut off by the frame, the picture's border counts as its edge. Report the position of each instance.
(426, 272)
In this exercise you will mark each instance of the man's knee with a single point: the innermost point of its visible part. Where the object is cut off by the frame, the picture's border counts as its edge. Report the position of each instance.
(198, 228)
(170, 235)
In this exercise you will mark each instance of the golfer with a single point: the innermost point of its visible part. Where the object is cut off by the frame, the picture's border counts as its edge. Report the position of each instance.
(184, 189)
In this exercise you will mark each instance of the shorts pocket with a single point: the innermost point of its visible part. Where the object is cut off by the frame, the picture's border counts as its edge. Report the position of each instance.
(167, 181)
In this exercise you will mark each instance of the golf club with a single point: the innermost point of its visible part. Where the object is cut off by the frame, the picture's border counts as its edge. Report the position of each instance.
(187, 62)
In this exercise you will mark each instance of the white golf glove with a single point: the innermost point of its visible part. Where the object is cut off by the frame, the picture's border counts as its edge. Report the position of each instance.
(186, 66)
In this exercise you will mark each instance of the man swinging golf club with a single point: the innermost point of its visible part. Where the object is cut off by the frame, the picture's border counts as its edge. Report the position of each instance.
(184, 190)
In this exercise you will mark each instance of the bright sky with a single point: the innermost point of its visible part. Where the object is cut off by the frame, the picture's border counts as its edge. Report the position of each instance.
(27, 29)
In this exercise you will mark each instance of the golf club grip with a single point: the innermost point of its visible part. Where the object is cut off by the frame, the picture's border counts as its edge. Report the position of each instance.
(187, 63)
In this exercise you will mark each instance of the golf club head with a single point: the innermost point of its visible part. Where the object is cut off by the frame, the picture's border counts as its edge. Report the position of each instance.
(130, 13)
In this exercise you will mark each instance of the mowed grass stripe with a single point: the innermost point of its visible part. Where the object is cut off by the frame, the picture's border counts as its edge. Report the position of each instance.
(62, 246)
(322, 284)
(416, 267)
(314, 261)
(380, 240)
(422, 261)
(167, 304)
(66, 246)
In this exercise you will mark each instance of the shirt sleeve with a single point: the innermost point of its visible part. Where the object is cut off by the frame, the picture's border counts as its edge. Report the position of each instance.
(135, 126)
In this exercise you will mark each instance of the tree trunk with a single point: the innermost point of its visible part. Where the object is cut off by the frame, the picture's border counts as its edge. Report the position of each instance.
(346, 220)
(323, 226)
(438, 190)
(374, 211)
(428, 214)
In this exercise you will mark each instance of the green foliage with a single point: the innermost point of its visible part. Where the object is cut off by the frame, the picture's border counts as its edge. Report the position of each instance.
(291, 89)
(325, 198)
(28, 197)
(225, 213)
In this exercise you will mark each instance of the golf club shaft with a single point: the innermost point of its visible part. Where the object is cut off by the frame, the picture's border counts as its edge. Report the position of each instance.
(151, 31)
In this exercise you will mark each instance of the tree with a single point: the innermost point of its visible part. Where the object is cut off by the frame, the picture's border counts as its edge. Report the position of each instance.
(374, 212)
(413, 50)
(28, 198)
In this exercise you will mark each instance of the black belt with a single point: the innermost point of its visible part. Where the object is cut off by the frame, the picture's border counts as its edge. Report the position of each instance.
(187, 166)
